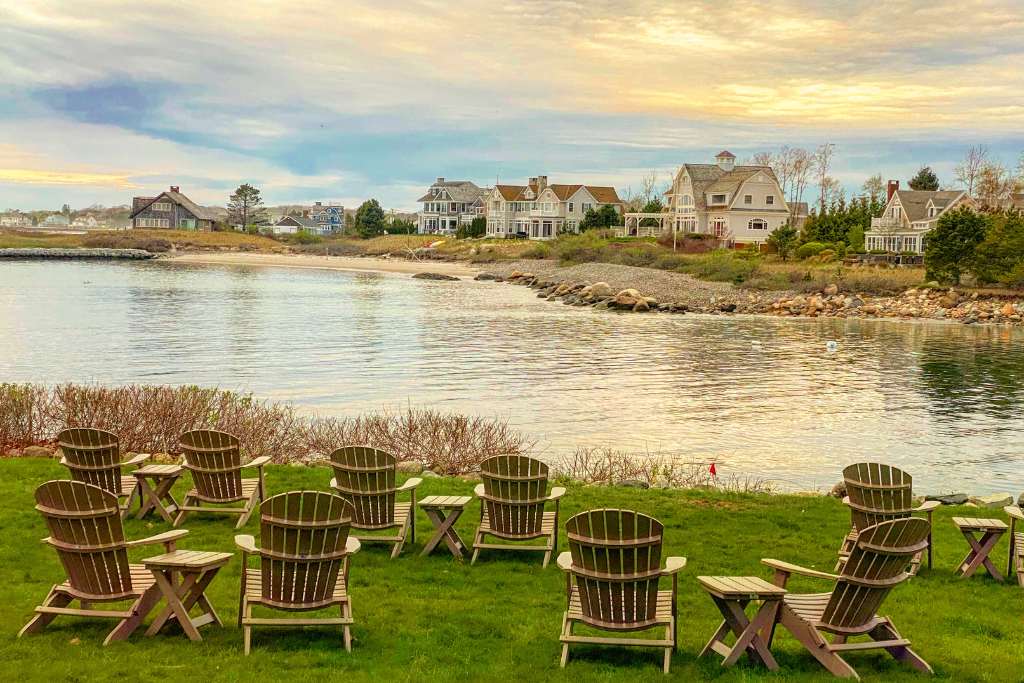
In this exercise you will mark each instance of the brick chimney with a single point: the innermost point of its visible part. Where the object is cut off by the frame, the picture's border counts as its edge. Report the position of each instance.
(439, 180)
(175, 188)
(891, 189)
(305, 213)
(542, 182)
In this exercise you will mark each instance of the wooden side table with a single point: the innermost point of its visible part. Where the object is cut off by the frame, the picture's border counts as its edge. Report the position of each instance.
(157, 496)
(991, 531)
(732, 594)
(183, 576)
(443, 512)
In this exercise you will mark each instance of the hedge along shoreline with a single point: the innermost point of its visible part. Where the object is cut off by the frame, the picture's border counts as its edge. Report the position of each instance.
(151, 419)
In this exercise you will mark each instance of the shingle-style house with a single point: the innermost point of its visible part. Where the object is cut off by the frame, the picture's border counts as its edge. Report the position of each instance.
(171, 210)
(908, 217)
(14, 220)
(540, 211)
(56, 220)
(738, 204)
(330, 218)
(449, 204)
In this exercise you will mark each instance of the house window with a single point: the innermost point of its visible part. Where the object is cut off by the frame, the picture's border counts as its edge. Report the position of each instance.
(769, 200)
(187, 224)
(687, 200)
(161, 206)
(571, 209)
(719, 226)
(718, 199)
(586, 206)
(152, 223)
(757, 224)
(748, 199)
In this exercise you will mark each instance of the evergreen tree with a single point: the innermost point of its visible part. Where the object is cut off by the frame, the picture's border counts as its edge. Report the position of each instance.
(370, 219)
(925, 179)
(950, 248)
(245, 207)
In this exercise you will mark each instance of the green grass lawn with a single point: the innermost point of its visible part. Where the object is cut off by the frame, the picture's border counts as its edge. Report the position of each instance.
(438, 619)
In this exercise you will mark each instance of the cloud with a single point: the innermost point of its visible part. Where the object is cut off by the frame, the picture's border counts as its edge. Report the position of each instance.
(367, 98)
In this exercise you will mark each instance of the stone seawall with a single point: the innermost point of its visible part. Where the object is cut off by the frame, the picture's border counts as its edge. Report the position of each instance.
(133, 254)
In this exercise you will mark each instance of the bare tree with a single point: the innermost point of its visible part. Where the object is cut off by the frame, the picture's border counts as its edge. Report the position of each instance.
(802, 166)
(649, 186)
(967, 170)
(994, 185)
(833, 191)
(822, 166)
(874, 188)
(762, 159)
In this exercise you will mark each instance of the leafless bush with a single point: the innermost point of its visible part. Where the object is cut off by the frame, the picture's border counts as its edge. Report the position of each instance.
(446, 443)
(152, 418)
(609, 466)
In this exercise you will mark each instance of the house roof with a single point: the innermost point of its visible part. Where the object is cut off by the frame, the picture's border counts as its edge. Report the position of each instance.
(915, 202)
(712, 178)
(458, 190)
(141, 203)
(300, 221)
(604, 195)
(725, 153)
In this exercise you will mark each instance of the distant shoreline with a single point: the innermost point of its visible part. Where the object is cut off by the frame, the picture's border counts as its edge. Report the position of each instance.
(345, 263)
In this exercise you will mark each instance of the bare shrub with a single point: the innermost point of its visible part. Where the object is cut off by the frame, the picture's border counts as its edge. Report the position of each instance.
(602, 465)
(153, 418)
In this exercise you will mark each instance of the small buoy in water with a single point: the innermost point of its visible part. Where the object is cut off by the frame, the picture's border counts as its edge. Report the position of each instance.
(832, 346)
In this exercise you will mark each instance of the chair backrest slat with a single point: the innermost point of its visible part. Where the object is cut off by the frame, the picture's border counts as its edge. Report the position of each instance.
(877, 493)
(215, 461)
(365, 476)
(515, 487)
(302, 538)
(93, 456)
(616, 557)
(85, 529)
(876, 565)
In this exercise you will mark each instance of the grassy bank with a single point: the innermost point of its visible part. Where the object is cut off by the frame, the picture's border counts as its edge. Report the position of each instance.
(437, 619)
(152, 240)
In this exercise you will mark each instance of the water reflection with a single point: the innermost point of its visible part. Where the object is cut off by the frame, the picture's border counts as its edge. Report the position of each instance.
(765, 396)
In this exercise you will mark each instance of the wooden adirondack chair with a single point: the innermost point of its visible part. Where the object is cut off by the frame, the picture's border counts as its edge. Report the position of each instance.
(879, 493)
(613, 569)
(304, 560)
(215, 461)
(1016, 561)
(512, 498)
(365, 477)
(876, 565)
(94, 457)
(85, 530)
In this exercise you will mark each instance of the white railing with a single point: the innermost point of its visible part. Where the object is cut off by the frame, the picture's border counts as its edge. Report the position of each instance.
(886, 222)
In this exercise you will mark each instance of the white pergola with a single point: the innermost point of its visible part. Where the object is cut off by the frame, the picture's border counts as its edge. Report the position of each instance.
(633, 224)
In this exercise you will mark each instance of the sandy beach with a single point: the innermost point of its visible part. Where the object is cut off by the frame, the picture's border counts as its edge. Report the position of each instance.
(350, 263)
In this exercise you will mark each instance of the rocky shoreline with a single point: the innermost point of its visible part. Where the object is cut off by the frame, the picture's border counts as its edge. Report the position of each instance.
(641, 290)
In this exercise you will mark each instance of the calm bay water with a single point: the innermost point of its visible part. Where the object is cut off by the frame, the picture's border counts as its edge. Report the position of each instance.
(763, 396)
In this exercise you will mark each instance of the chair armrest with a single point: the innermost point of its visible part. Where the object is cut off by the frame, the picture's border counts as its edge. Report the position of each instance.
(1014, 512)
(410, 484)
(352, 545)
(673, 565)
(333, 483)
(564, 561)
(928, 506)
(137, 460)
(258, 462)
(479, 491)
(786, 568)
(846, 501)
(247, 544)
(168, 538)
(556, 492)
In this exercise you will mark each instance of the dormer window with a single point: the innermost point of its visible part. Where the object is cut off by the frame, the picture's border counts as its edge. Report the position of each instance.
(932, 212)
(718, 199)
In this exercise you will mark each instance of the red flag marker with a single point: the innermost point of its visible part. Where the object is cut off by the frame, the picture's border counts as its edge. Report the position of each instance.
(714, 472)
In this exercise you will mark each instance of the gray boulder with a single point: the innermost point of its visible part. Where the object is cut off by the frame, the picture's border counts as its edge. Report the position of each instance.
(949, 498)
(994, 501)
(434, 276)
(486, 276)
(633, 484)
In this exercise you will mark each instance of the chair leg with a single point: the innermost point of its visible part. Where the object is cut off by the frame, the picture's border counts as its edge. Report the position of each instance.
(140, 610)
(346, 611)
(816, 645)
(247, 511)
(188, 502)
(247, 630)
(241, 594)
(566, 631)
(902, 653)
(668, 660)
(39, 621)
(477, 540)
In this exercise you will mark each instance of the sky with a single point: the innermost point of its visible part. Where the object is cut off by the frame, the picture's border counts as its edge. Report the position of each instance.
(340, 100)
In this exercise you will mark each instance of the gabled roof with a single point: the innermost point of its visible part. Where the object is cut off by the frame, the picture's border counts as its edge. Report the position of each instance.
(915, 202)
(300, 221)
(725, 153)
(458, 190)
(711, 178)
(141, 203)
(602, 194)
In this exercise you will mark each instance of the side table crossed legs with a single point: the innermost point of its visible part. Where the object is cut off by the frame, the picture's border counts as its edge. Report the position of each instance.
(181, 598)
(979, 554)
(445, 531)
(747, 632)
